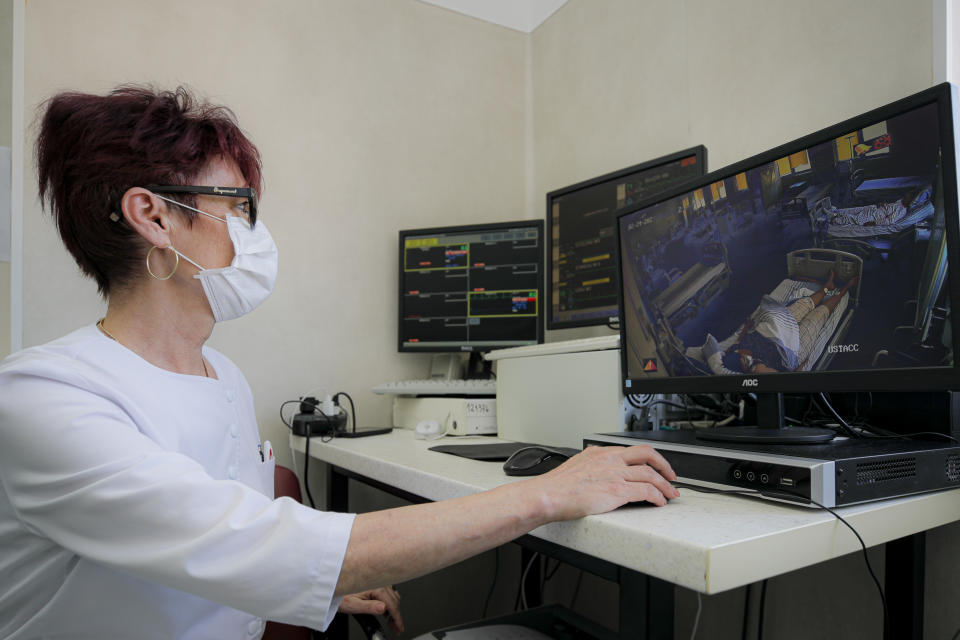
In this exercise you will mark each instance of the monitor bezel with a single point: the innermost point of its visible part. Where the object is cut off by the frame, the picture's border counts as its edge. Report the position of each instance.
(903, 379)
(700, 151)
(469, 228)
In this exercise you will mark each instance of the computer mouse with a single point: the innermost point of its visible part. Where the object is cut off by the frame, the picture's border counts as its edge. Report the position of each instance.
(427, 429)
(532, 461)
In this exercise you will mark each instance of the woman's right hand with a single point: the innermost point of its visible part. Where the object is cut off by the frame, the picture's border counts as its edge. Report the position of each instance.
(600, 479)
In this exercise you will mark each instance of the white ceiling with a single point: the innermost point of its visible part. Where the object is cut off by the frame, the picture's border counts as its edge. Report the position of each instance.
(521, 15)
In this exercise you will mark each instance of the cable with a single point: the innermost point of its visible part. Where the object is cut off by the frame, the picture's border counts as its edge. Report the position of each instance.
(688, 407)
(746, 612)
(282, 419)
(863, 546)
(306, 472)
(696, 619)
(576, 590)
(846, 427)
(353, 410)
(493, 583)
(523, 581)
(763, 599)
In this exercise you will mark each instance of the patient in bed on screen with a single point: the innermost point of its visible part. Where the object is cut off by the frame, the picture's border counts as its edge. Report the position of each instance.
(781, 337)
(879, 214)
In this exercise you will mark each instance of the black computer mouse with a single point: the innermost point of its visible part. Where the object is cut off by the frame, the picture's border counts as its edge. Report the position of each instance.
(532, 461)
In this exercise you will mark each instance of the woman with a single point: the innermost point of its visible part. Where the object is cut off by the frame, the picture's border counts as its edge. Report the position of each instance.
(133, 499)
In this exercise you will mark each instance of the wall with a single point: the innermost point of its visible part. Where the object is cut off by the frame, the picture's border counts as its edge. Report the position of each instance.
(616, 83)
(383, 114)
(371, 117)
(6, 124)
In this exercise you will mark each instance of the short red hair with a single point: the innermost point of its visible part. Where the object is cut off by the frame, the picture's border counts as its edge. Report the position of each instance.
(91, 149)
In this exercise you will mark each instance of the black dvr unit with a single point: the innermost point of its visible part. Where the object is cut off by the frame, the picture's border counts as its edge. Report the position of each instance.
(842, 472)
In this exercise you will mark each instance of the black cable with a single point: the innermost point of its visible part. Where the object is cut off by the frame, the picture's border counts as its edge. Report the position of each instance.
(688, 407)
(846, 428)
(763, 599)
(549, 575)
(746, 612)
(863, 546)
(576, 590)
(306, 472)
(282, 405)
(493, 583)
(353, 410)
(306, 457)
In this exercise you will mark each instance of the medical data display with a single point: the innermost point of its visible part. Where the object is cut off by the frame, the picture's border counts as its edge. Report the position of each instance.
(471, 288)
(581, 221)
(797, 268)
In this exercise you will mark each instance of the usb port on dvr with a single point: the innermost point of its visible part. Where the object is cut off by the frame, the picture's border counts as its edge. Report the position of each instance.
(787, 482)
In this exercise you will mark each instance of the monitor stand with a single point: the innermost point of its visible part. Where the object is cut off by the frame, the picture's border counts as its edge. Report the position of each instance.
(478, 368)
(770, 429)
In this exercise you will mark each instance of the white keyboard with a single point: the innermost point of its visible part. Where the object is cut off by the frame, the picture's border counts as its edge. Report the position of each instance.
(567, 346)
(438, 388)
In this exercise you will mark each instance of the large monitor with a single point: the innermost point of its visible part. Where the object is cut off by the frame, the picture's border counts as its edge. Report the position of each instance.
(581, 241)
(826, 264)
(471, 288)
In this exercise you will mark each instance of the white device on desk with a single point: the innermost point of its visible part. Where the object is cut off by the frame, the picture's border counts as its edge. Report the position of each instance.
(557, 393)
(456, 416)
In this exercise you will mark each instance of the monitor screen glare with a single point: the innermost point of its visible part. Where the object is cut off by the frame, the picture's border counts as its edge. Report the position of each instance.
(830, 258)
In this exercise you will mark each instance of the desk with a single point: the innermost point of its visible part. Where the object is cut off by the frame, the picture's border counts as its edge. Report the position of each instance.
(705, 542)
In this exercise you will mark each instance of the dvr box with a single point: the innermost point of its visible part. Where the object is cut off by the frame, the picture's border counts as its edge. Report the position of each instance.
(841, 472)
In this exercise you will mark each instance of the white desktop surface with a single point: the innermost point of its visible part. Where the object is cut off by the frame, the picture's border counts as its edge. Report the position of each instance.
(705, 542)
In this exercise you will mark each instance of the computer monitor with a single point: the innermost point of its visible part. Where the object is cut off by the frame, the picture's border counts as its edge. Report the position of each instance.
(826, 264)
(581, 242)
(471, 288)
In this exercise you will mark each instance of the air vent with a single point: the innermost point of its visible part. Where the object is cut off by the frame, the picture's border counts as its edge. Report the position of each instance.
(953, 467)
(887, 470)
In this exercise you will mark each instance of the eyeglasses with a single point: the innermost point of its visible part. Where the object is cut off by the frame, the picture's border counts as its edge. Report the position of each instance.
(228, 192)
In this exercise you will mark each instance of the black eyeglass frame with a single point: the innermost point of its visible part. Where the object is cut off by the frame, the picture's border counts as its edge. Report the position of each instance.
(228, 192)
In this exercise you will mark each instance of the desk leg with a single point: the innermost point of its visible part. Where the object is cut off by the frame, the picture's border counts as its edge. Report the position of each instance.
(336, 490)
(337, 500)
(904, 582)
(646, 607)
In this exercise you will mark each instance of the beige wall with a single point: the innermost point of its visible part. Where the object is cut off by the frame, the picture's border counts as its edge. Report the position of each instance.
(6, 127)
(371, 117)
(376, 115)
(953, 35)
(618, 82)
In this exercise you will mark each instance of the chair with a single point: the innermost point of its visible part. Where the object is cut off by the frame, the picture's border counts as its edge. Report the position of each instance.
(285, 484)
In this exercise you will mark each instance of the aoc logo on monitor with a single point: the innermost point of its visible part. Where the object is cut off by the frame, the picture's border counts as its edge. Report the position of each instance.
(750, 382)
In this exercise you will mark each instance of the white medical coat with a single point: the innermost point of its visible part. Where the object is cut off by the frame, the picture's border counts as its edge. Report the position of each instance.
(134, 504)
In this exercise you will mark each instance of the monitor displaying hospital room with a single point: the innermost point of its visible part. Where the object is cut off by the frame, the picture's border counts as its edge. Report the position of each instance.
(827, 264)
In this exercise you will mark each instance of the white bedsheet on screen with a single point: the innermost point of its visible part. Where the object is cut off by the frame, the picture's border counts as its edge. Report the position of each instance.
(786, 291)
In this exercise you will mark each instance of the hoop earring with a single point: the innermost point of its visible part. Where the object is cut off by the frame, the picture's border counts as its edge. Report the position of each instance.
(176, 264)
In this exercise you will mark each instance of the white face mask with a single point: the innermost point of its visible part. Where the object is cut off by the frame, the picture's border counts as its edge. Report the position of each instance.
(240, 288)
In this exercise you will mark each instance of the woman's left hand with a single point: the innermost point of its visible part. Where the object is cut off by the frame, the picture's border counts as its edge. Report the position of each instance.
(385, 600)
